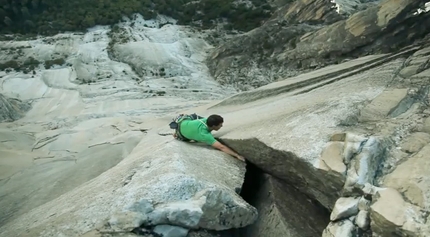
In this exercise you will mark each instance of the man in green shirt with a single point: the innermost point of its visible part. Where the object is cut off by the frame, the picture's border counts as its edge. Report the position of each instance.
(200, 130)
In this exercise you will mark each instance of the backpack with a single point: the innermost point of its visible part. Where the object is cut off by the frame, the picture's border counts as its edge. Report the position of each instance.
(178, 119)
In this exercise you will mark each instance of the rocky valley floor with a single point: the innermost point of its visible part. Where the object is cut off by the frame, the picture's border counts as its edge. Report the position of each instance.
(85, 147)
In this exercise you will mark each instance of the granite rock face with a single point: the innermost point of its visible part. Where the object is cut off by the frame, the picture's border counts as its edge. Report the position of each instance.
(296, 41)
(349, 7)
(88, 116)
(346, 154)
(93, 156)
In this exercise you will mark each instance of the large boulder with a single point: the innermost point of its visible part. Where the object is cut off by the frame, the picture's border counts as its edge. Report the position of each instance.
(391, 214)
(162, 182)
(411, 177)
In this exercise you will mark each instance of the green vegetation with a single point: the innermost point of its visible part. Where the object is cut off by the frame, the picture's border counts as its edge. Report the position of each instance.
(53, 16)
(116, 35)
(9, 64)
(57, 61)
(29, 64)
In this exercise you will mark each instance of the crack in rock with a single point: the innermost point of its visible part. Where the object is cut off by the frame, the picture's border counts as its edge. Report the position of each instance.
(45, 141)
(128, 179)
(105, 143)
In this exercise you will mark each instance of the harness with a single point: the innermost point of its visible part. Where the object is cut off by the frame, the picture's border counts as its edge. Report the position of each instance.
(176, 124)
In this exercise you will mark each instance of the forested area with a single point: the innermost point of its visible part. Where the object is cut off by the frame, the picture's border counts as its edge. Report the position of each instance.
(53, 16)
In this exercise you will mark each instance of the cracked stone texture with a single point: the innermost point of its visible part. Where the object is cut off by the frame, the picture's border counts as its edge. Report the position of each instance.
(349, 7)
(416, 63)
(390, 213)
(365, 164)
(344, 208)
(412, 179)
(381, 106)
(415, 142)
(170, 231)
(332, 158)
(341, 228)
(363, 220)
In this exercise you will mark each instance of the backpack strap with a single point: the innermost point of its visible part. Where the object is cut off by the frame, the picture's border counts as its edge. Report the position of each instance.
(176, 124)
(203, 123)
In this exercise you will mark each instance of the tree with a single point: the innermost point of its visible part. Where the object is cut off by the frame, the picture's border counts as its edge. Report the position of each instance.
(2, 13)
(35, 4)
(7, 21)
(58, 15)
(25, 12)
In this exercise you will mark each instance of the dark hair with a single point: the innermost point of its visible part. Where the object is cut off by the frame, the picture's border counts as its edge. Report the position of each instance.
(214, 120)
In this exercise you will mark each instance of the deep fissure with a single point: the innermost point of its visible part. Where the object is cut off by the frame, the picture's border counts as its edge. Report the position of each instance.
(253, 190)
(276, 198)
(253, 180)
(263, 190)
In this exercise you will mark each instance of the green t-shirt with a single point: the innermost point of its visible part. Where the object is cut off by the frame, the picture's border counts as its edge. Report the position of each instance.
(197, 130)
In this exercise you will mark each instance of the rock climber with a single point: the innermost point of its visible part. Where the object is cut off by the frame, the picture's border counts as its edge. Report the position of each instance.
(198, 129)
